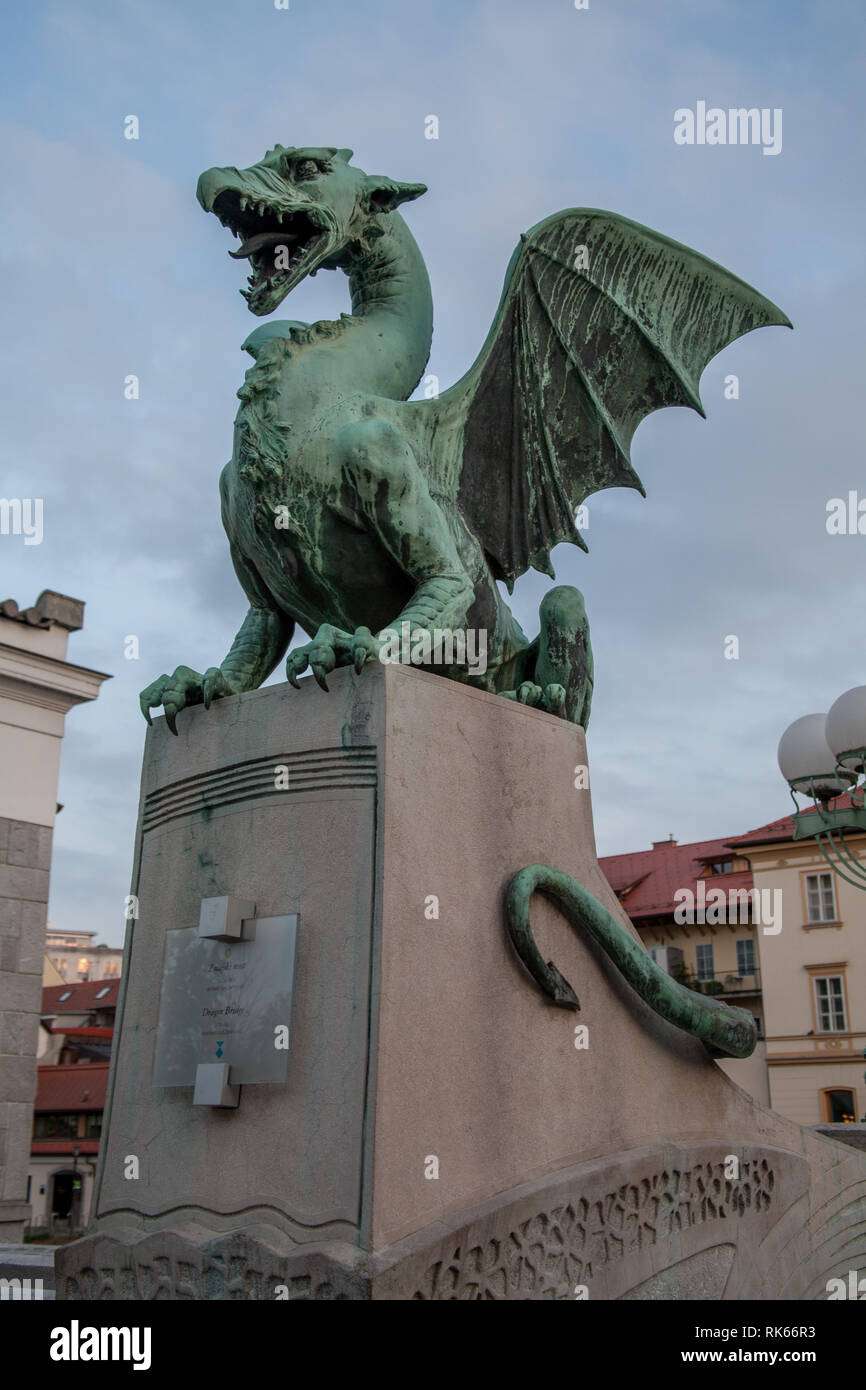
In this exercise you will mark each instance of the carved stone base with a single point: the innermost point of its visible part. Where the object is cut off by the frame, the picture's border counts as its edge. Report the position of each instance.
(195, 1262)
(650, 1224)
(440, 1134)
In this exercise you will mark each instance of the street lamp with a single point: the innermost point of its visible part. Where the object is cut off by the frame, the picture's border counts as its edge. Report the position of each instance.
(823, 756)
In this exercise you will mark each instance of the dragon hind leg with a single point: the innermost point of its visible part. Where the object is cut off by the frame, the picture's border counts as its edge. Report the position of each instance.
(555, 672)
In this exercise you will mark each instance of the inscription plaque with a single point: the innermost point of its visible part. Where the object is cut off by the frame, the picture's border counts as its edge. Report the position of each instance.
(228, 1002)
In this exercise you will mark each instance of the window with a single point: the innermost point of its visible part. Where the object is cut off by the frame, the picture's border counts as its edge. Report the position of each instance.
(67, 994)
(746, 955)
(57, 1126)
(830, 1003)
(93, 1124)
(820, 898)
(704, 956)
(100, 994)
(722, 866)
(839, 1107)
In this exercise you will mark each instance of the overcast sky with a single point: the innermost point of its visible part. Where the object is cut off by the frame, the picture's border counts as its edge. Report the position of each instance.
(110, 267)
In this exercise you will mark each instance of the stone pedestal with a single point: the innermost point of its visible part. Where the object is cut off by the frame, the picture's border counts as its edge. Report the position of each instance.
(440, 1135)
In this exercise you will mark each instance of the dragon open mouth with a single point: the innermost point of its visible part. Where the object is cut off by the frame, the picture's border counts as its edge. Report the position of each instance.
(281, 246)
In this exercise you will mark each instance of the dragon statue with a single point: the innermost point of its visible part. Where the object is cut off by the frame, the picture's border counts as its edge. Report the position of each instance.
(357, 513)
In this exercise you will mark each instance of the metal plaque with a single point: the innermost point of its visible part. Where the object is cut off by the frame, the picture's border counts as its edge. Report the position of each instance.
(227, 1002)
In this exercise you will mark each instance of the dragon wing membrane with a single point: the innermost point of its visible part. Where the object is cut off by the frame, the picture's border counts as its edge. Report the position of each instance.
(601, 322)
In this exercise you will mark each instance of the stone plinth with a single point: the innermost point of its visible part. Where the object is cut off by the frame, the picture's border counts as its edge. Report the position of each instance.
(440, 1134)
(853, 1134)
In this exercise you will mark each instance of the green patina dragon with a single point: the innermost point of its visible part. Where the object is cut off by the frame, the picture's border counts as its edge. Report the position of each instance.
(359, 514)
(356, 513)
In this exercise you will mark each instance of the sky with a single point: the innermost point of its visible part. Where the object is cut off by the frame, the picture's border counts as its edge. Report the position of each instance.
(110, 268)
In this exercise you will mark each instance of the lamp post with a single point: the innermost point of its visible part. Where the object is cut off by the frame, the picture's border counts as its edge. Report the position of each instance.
(75, 1203)
(823, 756)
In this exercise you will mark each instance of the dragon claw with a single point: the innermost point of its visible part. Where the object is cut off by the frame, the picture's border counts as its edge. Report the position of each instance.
(553, 700)
(530, 694)
(364, 648)
(181, 690)
(297, 663)
(213, 685)
(329, 648)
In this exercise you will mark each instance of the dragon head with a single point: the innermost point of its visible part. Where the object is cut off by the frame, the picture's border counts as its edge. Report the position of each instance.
(297, 211)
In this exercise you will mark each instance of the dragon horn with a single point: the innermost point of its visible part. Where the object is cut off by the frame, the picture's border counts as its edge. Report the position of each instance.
(385, 194)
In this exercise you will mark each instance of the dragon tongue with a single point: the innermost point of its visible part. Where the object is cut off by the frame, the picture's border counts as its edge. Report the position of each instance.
(255, 243)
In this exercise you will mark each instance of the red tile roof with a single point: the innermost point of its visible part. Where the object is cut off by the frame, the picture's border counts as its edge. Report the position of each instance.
(774, 830)
(645, 881)
(782, 829)
(64, 1146)
(74, 1086)
(82, 997)
(84, 1032)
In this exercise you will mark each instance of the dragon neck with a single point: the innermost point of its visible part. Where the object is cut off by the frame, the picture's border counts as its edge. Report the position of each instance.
(392, 301)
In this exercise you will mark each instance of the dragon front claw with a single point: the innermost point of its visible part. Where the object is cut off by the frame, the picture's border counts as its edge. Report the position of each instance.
(214, 685)
(330, 648)
(174, 693)
(550, 698)
(364, 648)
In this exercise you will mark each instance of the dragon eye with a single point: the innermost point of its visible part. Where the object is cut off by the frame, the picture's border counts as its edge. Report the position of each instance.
(306, 169)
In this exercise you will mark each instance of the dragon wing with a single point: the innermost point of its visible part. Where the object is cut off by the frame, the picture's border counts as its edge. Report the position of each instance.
(601, 321)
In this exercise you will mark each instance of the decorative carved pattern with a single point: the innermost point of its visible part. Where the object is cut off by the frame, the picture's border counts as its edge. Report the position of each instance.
(213, 1277)
(542, 1257)
(546, 1256)
(309, 770)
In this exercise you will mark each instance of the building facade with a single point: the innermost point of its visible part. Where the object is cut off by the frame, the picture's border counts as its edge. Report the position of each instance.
(76, 958)
(693, 907)
(67, 1124)
(74, 1054)
(813, 975)
(37, 688)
